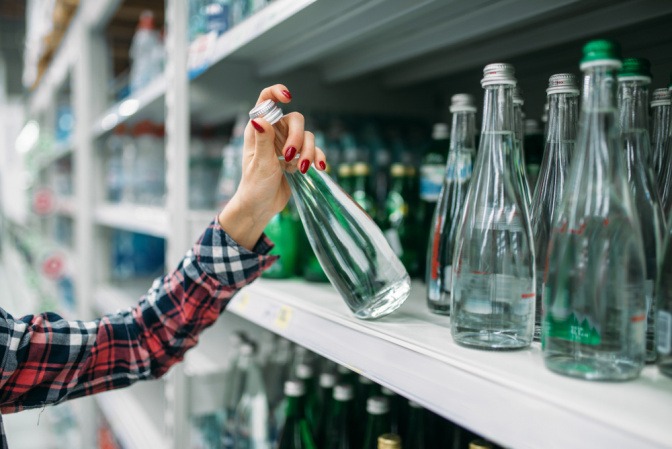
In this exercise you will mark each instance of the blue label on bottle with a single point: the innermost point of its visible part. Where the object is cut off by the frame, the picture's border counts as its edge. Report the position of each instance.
(431, 181)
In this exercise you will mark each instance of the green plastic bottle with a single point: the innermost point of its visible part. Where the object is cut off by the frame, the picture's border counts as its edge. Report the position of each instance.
(283, 230)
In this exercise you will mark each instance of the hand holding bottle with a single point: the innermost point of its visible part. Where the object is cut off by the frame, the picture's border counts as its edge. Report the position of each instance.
(263, 190)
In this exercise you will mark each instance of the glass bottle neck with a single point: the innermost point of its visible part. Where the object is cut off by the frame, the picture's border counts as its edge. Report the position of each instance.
(633, 102)
(463, 132)
(294, 407)
(563, 111)
(599, 91)
(498, 109)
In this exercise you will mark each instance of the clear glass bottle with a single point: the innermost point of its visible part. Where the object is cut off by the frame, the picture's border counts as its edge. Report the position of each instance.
(340, 430)
(594, 306)
(493, 268)
(296, 433)
(662, 141)
(377, 421)
(449, 206)
(563, 111)
(664, 310)
(660, 129)
(252, 412)
(634, 79)
(518, 153)
(352, 250)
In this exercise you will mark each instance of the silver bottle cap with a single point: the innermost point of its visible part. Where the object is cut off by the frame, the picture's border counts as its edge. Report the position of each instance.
(660, 97)
(377, 405)
(562, 83)
(294, 388)
(327, 380)
(498, 73)
(267, 110)
(462, 103)
(304, 371)
(247, 348)
(343, 392)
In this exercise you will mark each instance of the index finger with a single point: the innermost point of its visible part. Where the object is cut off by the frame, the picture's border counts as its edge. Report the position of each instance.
(277, 93)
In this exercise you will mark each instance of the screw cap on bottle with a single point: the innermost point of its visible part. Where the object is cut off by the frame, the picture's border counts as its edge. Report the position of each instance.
(304, 371)
(601, 52)
(660, 97)
(343, 392)
(397, 170)
(294, 388)
(247, 348)
(462, 103)
(360, 169)
(498, 73)
(440, 131)
(389, 441)
(479, 444)
(327, 380)
(267, 110)
(635, 69)
(377, 405)
(562, 83)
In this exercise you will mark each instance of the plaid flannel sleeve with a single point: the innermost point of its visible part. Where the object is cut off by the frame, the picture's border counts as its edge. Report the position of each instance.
(46, 359)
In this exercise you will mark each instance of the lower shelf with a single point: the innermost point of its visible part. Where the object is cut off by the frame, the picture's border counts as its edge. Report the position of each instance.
(508, 397)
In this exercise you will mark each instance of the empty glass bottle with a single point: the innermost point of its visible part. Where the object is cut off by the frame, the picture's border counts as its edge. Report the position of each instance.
(341, 420)
(633, 101)
(664, 310)
(518, 153)
(594, 307)
(377, 421)
(563, 101)
(352, 250)
(660, 130)
(493, 268)
(296, 433)
(449, 206)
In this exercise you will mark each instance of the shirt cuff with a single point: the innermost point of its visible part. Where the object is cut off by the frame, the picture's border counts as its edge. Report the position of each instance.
(232, 265)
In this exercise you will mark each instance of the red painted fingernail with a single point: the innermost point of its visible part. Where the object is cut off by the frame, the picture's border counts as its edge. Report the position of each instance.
(303, 167)
(322, 165)
(287, 94)
(257, 126)
(290, 152)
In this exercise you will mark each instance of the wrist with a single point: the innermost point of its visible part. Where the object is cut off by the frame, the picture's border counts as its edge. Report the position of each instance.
(243, 224)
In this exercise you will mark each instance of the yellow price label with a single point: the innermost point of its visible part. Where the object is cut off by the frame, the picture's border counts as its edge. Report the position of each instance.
(284, 317)
(244, 300)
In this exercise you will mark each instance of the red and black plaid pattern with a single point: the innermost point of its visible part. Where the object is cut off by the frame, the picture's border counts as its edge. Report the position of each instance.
(45, 359)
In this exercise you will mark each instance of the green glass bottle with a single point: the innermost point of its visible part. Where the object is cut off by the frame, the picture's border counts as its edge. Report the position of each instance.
(416, 431)
(305, 374)
(283, 230)
(397, 410)
(365, 388)
(296, 433)
(344, 177)
(361, 192)
(396, 221)
(325, 392)
(340, 430)
(377, 421)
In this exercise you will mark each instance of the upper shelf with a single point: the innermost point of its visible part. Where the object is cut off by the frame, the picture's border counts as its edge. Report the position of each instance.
(411, 351)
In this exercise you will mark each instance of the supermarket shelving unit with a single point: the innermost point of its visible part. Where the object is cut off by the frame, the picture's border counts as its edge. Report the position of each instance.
(360, 56)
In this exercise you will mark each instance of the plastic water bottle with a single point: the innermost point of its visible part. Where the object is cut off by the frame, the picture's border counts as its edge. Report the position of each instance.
(145, 53)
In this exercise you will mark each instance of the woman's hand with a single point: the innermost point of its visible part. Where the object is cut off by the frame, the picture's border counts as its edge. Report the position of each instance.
(263, 190)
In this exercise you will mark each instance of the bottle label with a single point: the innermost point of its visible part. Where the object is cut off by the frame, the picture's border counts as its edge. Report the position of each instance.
(483, 290)
(572, 328)
(498, 219)
(431, 181)
(459, 167)
(664, 332)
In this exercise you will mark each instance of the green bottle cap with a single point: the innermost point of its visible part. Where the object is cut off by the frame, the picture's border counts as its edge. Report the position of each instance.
(635, 68)
(601, 51)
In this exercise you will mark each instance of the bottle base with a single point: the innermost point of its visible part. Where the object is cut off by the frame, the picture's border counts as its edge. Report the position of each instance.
(385, 301)
(439, 309)
(591, 368)
(494, 341)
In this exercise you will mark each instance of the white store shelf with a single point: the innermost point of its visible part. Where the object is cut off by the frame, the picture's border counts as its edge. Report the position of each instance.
(129, 217)
(132, 415)
(509, 397)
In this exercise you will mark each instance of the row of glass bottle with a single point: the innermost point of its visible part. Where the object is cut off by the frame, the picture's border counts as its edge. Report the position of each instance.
(589, 239)
(284, 403)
